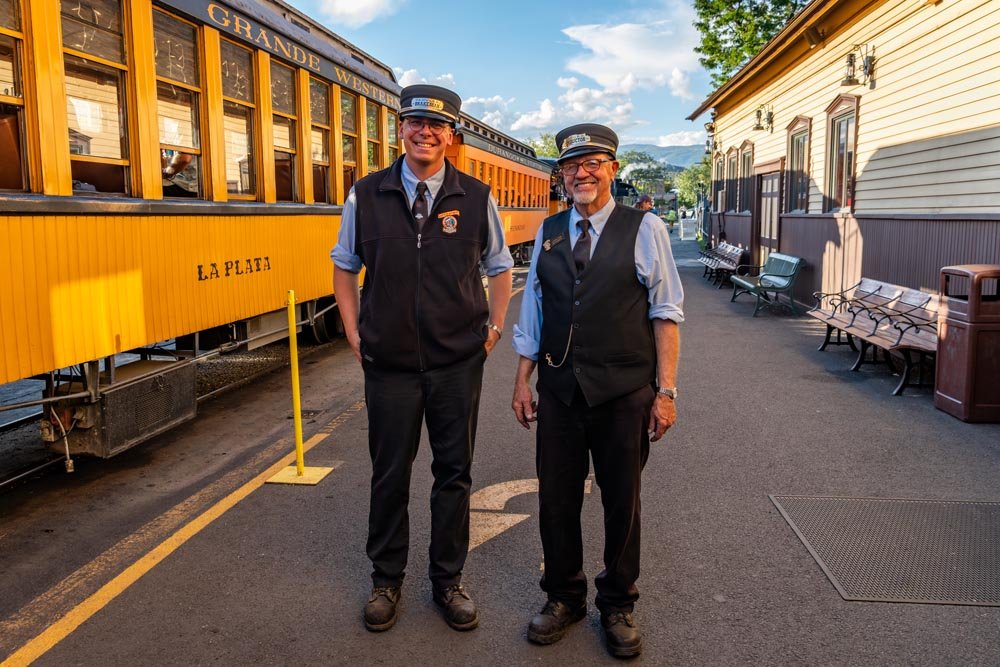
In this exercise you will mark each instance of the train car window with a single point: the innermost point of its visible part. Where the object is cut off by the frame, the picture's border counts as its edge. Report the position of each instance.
(238, 120)
(94, 55)
(319, 150)
(283, 130)
(472, 168)
(175, 50)
(349, 135)
(393, 137)
(374, 137)
(12, 168)
(9, 14)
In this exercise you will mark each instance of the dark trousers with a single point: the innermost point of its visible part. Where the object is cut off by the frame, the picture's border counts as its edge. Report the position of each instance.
(615, 435)
(398, 402)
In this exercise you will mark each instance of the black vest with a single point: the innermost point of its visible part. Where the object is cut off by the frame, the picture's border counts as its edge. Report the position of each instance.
(422, 302)
(598, 319)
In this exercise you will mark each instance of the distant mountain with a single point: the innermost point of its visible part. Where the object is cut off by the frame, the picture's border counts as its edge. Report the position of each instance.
(678, 156)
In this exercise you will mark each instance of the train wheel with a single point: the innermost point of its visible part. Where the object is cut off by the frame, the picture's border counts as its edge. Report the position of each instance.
(324, 327)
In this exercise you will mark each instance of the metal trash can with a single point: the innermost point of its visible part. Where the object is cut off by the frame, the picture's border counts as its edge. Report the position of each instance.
(967, 376)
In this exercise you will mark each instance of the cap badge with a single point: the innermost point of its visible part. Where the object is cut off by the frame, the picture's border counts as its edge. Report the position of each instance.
(575, 139)
(427, 103)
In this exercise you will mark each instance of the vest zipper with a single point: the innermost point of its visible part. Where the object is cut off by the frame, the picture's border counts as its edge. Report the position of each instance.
(420, 349)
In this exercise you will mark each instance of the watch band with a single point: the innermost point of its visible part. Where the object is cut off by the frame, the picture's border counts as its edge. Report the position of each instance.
(495, 328)
(669, 392)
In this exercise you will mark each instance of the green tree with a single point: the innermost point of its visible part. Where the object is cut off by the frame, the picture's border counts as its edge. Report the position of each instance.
(693, 180)
(544, 145)
(733, 31)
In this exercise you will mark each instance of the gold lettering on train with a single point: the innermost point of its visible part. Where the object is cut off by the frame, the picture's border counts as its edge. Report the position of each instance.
(233, 267)
(262, 36)
(219, 15)
(242, 27)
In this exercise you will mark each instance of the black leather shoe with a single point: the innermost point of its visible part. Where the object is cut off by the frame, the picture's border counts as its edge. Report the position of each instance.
(459, 609)
(382, 609)
(550, 624)
(621, 632)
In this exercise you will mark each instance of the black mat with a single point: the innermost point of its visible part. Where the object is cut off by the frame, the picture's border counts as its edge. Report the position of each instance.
(893, 550)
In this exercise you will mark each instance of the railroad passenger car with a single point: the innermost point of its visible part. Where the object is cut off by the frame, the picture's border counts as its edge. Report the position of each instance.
(168, 171)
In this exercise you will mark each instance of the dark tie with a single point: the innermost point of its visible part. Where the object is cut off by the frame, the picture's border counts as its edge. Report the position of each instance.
(420, 205)
(581, 251)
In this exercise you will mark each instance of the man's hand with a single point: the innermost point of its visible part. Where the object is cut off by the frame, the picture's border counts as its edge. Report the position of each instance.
(492, 338)
(661, 417)
(523, 404)
(354, 340)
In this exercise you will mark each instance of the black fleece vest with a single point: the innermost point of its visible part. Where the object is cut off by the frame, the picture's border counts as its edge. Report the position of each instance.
(422, 302)
(598, 319)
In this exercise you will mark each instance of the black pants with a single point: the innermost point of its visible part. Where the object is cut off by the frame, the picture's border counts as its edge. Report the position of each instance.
(398, 403)
(615, 435)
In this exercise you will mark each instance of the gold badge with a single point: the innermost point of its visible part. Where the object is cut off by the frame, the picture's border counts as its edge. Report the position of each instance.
(575, 139)
(554, 241)
(427, 103)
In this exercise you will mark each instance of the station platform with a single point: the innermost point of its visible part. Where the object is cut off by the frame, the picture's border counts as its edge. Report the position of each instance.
(176, 552)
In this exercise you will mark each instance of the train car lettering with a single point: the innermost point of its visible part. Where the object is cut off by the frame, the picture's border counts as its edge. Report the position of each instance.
(278, 44)
(313, 62)
(233, 267)
(242, 27)
(262, 39)
(219, 15)
(342, 76)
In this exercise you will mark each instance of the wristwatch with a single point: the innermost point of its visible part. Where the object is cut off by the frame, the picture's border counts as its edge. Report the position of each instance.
(670, 392)
(495, 328)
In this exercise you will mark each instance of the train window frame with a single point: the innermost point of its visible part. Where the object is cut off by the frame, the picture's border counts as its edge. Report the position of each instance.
(250, 109)
(292, 120)
(322, 168)
(12, 108)
(110, 169)
(170, 150)
(373, 147)
(392, 129)
(349, 168)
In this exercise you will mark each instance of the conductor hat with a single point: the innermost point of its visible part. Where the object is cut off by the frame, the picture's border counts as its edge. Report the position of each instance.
(586, 138)
(423, 99)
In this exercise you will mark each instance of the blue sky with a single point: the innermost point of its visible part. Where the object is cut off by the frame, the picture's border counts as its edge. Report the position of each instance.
(528, 67)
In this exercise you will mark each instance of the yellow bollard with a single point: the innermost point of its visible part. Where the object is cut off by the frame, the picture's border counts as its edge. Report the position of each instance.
(298, 474)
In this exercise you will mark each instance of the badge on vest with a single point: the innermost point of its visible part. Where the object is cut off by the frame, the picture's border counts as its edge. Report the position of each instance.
(449, 221)
(554, 241)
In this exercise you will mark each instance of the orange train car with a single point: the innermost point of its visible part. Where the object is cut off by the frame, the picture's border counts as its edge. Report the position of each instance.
(169, 171)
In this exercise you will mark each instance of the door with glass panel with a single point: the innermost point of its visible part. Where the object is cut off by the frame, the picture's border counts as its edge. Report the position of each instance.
(768, 210)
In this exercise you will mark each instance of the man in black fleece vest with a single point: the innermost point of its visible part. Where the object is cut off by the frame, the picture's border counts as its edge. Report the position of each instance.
(599, 317)
(421, 330)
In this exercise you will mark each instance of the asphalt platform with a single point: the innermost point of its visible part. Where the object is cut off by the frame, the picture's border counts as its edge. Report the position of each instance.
(104, 569)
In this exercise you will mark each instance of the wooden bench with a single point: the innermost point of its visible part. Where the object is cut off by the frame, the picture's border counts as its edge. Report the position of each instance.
(776, 276)
(720, 262)
(882, 316)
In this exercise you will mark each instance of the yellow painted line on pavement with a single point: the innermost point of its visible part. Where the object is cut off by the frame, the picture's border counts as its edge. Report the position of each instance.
(62, 628)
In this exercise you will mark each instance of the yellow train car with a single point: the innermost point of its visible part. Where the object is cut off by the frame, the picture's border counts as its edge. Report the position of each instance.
(168, 171)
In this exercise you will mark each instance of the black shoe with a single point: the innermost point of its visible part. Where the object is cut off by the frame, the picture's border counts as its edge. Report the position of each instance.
(550, 624)
(459, 609)
(382, 610)
(624, 640)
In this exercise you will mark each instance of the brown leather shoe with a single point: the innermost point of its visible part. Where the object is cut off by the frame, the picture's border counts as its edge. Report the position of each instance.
(459, 610)
(382, 609)
(622, 635)
(550, 624)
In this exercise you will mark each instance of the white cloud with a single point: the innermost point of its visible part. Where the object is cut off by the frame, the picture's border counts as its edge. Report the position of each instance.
(540, 119)
(688, 138)
(494, 111)
(408, 77)
(567, 82)
(356, 13)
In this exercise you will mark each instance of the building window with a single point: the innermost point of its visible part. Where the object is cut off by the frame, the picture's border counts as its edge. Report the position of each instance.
(175, 50)
(374, 128)
(393, 137)
(12, 166)
(349, 134)
(842, 121)
(238, 120)
(719, 186)
(797, 175)
(94, 56)
(746, 176)
(732, 180)
(283, 129)
(319, 106)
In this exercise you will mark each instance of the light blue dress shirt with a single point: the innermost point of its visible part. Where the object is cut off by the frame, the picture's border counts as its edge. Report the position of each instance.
(496, 257)
(654, 267)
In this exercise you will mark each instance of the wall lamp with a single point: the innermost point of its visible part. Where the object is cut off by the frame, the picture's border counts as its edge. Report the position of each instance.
(814, 36)
(764, 118)
(861, 60)
(710, 131)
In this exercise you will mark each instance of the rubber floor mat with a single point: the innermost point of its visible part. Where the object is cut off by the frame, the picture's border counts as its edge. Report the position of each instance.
(895, 550)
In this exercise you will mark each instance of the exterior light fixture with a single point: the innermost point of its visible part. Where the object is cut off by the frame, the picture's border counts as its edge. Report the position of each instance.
(763, 118)
(814, 36)
(710, 131)
(866, 56)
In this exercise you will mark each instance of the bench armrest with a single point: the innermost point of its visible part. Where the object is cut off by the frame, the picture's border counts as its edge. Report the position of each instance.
(749, 267)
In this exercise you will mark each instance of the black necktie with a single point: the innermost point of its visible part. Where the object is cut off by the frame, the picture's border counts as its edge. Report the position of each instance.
(581, 251)
(420, 205)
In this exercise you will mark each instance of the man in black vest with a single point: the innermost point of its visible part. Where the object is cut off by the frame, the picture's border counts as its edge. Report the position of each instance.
(421, 330)
(599, 317)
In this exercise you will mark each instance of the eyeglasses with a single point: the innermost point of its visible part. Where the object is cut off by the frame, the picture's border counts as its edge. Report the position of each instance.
(590, 166)
(416, 124)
